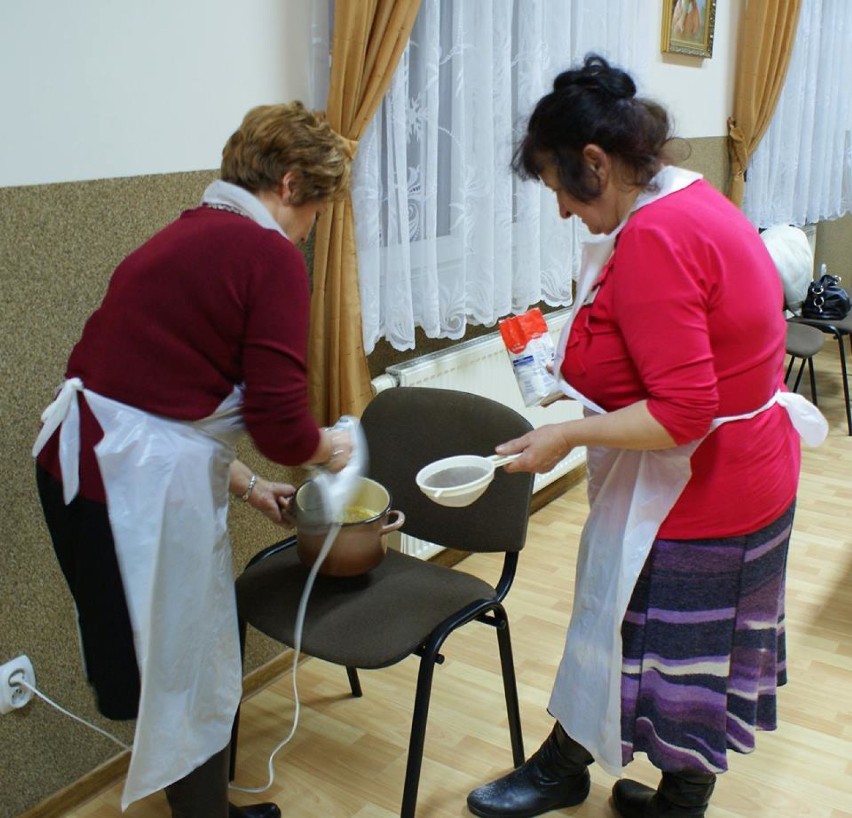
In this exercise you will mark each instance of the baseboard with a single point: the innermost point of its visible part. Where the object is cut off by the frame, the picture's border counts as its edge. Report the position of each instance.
(111, 772)
(558, 487)
(81, 790)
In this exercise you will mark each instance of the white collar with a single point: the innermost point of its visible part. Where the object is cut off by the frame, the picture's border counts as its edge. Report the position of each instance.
(230, 196)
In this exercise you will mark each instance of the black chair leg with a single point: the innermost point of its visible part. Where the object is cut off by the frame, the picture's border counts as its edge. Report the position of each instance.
(800, 373)
(789, 369)
(354, 682)
(510, 687)
(235, 730)
(845, 380)
(813, 380)
(417, 740)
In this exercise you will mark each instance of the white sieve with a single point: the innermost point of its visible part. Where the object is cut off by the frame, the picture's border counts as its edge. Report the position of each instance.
(459, 480)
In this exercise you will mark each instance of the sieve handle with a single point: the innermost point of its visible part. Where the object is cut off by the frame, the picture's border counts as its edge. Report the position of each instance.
(501, 460)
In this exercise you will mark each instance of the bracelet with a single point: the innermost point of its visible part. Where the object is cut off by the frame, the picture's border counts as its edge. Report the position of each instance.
(249, 489)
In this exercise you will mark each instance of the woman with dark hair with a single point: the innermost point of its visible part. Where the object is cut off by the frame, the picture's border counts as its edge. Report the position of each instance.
(202, 333)
(676, 640)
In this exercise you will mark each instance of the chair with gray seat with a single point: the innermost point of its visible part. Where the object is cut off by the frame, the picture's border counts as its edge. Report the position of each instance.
(803, 342)
(407, 606)
(794, 260)
(838, 328)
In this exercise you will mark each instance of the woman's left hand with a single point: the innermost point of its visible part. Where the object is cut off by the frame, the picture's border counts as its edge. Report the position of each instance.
(273, 499)
(541, 449)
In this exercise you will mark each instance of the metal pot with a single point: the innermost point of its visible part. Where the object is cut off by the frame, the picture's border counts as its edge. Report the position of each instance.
(359, 546)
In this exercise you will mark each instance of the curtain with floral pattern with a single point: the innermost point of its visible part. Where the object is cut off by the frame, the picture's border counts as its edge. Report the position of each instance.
(447, 236)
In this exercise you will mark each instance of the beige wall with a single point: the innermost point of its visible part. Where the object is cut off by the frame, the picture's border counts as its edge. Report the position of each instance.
(834, 248)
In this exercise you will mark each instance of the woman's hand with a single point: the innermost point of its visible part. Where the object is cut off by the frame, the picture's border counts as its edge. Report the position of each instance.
(339, 448)
(541, 448)
(633, 427)
(273, 500)
(333, 450)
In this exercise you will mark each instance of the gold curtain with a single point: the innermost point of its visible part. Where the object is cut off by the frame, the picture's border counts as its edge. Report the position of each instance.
(368, 41)
(767, 33)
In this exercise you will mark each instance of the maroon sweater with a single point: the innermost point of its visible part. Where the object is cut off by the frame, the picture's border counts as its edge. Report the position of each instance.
(211, 301)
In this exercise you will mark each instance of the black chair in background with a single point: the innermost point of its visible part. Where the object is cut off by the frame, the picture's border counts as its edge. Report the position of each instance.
(793, 256)
(803, 342)
(407, 606)
(839, 329)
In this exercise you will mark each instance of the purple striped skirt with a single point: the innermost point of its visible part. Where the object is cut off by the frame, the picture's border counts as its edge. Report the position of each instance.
(703, 648)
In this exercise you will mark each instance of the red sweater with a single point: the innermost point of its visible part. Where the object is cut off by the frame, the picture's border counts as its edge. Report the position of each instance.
(689, 316)
(211, 301)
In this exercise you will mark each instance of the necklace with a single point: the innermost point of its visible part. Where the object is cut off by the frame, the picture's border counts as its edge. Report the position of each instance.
(229, 208)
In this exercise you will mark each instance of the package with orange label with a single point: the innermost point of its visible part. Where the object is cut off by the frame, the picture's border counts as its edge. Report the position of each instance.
(531, 352)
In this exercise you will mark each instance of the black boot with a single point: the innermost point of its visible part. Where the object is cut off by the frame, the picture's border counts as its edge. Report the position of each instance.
(680, 795)
(203, 793)
(266, 810)
(556, 776)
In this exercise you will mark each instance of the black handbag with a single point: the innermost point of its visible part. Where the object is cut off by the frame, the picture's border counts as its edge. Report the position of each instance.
(826, 299)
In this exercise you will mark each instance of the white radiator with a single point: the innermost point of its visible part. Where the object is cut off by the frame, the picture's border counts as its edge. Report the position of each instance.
(482, 366)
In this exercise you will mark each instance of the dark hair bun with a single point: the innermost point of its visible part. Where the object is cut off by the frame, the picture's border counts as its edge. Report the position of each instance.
(596, 75)
(594, 104)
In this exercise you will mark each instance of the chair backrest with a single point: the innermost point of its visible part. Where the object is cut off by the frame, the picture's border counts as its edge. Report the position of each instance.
(409, 427)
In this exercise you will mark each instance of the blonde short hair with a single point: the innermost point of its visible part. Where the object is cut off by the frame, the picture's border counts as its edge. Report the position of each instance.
(276, 139)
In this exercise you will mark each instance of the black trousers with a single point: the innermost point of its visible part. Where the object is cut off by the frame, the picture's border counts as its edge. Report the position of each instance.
(82, 540)
(84, 546)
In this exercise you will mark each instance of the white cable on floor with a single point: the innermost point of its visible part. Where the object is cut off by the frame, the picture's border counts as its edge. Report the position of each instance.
(26, 684)
(297, 647)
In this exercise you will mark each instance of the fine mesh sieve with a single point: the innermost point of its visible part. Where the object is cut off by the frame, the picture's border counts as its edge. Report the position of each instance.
(459, 480)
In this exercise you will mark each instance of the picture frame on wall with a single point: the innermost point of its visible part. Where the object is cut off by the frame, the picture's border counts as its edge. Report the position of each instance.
(688, 27)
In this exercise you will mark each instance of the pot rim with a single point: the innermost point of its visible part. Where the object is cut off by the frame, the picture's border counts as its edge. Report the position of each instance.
(378, 516)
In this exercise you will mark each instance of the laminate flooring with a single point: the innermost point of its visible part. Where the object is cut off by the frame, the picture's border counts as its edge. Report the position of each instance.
(347, 758)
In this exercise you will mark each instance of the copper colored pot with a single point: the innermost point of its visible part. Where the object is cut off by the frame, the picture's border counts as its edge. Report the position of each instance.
(359, 546)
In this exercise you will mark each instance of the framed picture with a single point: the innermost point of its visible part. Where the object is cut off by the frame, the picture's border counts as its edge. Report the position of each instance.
(688, 27)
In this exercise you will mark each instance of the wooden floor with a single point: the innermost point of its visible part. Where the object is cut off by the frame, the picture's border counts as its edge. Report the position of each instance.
(347, 758)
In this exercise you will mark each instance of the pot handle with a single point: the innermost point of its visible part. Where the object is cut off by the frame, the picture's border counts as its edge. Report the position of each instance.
(287, 509)
(397, 523)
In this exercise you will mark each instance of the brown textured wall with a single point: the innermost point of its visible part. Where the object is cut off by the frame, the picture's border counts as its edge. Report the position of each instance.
(58, 247)
(834, 248)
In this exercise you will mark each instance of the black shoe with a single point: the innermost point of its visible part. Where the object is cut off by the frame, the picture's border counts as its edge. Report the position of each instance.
(680, 795)
(554, 777)
(266, 810)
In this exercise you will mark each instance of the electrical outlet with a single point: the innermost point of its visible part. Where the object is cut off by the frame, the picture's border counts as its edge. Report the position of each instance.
(13, 694)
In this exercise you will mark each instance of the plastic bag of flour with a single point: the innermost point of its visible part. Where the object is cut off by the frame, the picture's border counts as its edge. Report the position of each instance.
(531, 351)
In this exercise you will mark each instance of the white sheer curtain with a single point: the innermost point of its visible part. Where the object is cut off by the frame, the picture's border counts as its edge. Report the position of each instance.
(801, 172)
(446, 234)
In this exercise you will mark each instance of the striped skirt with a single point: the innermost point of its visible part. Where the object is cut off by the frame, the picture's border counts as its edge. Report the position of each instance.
(703, 648)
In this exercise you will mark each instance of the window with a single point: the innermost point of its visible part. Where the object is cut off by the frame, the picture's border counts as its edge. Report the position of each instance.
(447, 235)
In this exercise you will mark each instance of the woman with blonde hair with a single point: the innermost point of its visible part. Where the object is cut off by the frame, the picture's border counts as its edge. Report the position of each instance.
(202, 333)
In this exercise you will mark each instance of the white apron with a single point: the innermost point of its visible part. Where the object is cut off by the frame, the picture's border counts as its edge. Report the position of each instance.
(166, 485)
(630, 495)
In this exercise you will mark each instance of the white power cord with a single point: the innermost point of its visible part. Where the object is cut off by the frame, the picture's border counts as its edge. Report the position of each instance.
(26, 684)
(297, 647)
